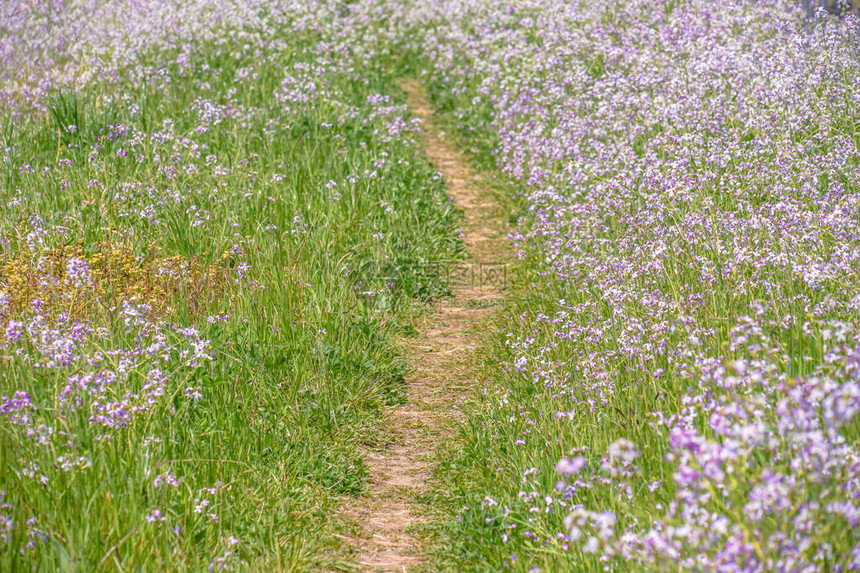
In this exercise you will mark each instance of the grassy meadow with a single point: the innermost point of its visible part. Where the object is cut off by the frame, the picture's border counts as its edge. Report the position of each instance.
(215, 229)
(672, 384)
(205, 261)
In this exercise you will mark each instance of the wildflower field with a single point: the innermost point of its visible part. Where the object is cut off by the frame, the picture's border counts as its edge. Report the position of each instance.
(218, 231)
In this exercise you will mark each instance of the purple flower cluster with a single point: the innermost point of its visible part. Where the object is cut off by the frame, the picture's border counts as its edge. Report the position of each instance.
(78, 272)
(46, 45)
(103, 381)
(77, 388)
(691, 177)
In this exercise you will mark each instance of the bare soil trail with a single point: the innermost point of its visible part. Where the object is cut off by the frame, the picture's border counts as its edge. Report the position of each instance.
(441, 358)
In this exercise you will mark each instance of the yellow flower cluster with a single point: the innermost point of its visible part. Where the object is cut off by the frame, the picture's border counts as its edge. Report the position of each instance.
(114, 274)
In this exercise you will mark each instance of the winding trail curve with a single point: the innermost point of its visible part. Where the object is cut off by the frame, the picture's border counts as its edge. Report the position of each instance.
(442, 365)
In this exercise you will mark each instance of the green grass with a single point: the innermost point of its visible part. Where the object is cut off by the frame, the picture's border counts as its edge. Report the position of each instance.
(304, 364)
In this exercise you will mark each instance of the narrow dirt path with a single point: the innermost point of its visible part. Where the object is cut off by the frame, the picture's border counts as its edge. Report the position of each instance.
(442, 364)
